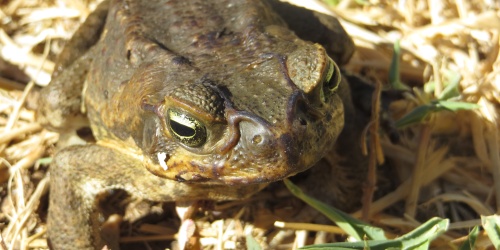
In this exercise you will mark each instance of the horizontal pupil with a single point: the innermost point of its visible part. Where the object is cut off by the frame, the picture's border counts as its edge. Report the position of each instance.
(182, 130)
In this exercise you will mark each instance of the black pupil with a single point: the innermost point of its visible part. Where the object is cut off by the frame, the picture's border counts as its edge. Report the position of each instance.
(182, 130)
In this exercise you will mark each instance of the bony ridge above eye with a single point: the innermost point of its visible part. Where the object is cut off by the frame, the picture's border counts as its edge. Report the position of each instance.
(186, 129)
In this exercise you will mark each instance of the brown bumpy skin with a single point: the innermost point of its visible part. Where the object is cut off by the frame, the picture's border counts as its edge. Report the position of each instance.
(190, 100)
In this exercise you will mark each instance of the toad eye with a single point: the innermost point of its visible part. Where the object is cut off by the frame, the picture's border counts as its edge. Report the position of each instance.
(332, 78)
(186, 129)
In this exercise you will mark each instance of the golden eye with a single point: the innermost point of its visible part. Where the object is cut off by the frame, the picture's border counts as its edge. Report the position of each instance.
(188, 130)
(332, 76)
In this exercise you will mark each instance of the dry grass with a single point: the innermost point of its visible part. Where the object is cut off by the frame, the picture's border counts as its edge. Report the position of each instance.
(448, 166)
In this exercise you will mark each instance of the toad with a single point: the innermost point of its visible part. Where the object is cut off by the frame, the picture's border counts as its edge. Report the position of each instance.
(190, 100)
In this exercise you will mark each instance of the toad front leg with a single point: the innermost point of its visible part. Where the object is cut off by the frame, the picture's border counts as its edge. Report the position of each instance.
(79, 174)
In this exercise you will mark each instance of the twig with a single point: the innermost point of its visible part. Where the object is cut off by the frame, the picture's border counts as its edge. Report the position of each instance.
(418, 171)
(376, 155)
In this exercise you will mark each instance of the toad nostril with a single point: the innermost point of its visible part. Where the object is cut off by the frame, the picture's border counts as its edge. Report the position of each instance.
(302, 121)
(257, 139)
(308, 114)
(304, 113)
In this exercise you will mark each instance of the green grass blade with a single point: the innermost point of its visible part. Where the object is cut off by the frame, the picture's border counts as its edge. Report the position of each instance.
(455, 106)
(415, 116)
(251, 243)
(44, 161)
(451, 89)
(372, 245)
(422, 246)
(353, 227)
(491, 225)
(471, 240)
(394, 79)
(332, 2)
(425, 232)
(419, 113)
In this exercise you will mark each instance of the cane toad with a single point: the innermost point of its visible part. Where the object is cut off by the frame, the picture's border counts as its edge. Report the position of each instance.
(190, 100)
